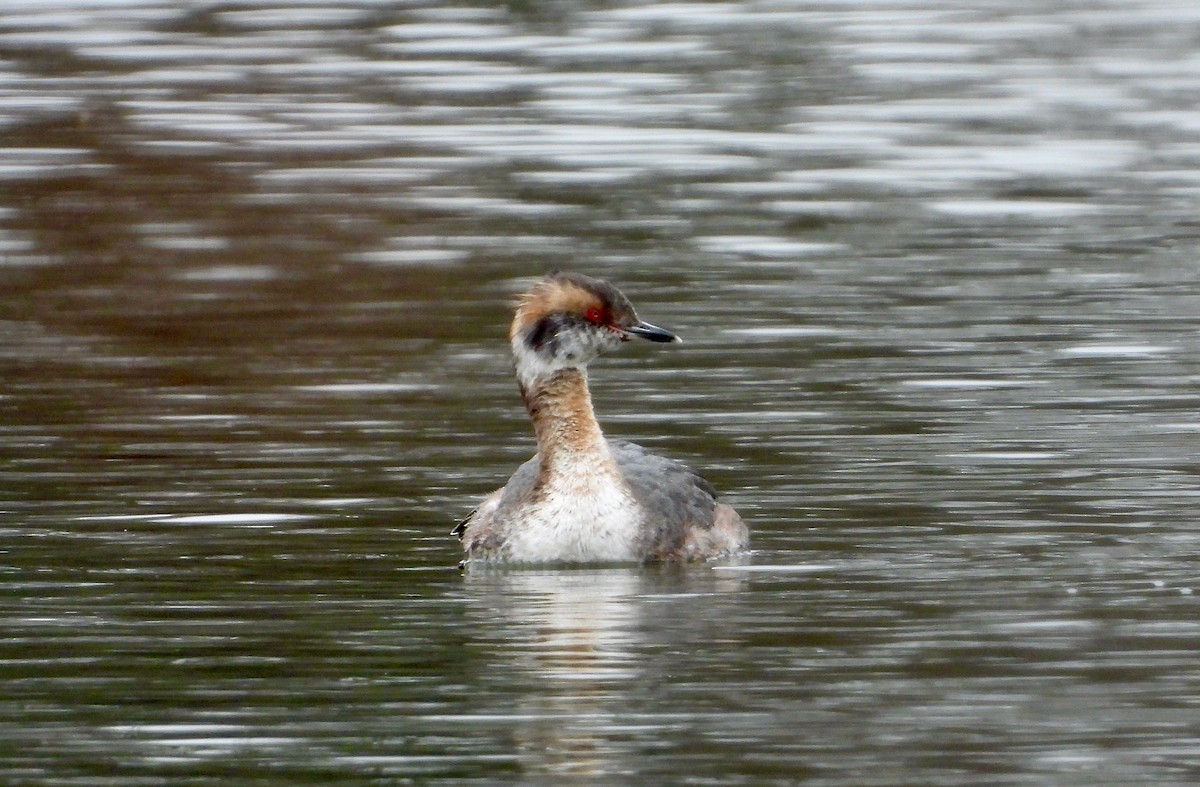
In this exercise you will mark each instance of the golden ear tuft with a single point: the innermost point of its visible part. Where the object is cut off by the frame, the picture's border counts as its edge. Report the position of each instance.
(555, 294)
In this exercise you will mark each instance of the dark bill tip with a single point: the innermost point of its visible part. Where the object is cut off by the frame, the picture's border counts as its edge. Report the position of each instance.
(652, 333)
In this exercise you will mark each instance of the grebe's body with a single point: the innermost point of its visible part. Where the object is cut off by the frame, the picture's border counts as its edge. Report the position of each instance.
(583, 498)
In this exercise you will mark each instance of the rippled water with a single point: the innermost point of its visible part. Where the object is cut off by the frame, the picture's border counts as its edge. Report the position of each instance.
(935, 265)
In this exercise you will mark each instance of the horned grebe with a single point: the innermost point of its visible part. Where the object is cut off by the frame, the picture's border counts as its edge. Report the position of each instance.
(584, 498)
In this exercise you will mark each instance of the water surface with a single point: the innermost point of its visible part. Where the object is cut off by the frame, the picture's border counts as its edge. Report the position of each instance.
(935, 268)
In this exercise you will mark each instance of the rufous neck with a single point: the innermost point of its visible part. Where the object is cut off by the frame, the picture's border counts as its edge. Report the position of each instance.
(560, 407)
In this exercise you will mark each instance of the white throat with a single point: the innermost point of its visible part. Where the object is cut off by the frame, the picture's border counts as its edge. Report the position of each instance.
(532, 365)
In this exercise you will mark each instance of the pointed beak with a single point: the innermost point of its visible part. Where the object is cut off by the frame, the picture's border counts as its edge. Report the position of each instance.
(652, 333)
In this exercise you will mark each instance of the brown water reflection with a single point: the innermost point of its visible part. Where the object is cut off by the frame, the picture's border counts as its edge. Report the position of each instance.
(935, 266)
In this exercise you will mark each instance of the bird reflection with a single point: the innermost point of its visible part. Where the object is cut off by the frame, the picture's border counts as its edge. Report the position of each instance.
(583, 647)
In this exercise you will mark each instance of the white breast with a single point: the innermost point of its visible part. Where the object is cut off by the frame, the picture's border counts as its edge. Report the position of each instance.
(583, 518)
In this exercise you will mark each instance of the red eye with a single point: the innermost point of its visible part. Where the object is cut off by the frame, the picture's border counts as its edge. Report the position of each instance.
(594, 315)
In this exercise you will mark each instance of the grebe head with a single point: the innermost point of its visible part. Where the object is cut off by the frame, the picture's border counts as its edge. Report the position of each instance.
(567, 319)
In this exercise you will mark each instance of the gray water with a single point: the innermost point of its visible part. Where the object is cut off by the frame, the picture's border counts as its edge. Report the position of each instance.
(935, 265)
